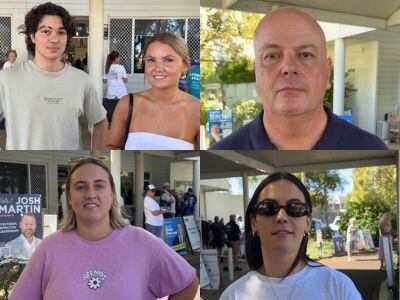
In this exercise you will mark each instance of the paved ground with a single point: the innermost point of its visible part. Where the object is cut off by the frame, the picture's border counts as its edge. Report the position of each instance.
(363, 270)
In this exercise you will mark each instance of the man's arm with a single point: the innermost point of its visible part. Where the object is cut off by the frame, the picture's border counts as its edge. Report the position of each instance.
(188, 292)
(99, 135)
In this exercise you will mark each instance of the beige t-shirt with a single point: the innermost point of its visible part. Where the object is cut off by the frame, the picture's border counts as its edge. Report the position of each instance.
(42, 108)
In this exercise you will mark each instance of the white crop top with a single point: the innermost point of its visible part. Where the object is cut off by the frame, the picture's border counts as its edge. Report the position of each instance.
(152, 141)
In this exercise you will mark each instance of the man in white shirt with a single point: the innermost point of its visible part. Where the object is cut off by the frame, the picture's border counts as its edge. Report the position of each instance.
(26, 243)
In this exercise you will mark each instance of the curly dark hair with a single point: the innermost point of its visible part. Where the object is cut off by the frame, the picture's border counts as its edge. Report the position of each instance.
(35, 15)
(252, 241)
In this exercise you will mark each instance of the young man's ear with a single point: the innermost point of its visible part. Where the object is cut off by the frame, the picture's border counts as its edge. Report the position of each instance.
(32, 36)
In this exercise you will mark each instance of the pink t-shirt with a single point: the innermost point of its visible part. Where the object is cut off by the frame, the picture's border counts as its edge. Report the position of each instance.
(130, 263)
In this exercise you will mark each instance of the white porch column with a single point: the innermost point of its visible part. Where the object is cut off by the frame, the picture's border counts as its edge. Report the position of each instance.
(116, 170)
(338, 78)
(139, 182)
(95, 45)
(245, 183)
(196, 187)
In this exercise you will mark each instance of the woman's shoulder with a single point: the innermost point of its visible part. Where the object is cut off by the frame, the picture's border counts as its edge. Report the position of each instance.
(191, 101)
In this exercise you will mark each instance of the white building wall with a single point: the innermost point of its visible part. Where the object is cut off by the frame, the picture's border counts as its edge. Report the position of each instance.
(181, 171)
(388, 79)
(221, 204)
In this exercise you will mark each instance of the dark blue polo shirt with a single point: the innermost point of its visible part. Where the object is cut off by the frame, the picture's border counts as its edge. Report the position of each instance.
(338, 135)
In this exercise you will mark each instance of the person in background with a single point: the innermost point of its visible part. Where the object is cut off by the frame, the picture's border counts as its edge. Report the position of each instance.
(190, 203)
(153, 213)
(277, 225)
(26, 243)
(232, 232)
(11, 57)
(218, 237)
(96, 254)
(115, 77)
(167, 200)
(163, 118)
(45, 113)
(385, 230)
(351, 237)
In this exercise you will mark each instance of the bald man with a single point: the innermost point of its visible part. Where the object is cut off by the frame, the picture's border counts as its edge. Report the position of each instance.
(292, 76)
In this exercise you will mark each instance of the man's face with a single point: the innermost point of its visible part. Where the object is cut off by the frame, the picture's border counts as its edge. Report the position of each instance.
(28, 226)
(215, 128)
(50, 39)
(12, 57)
(292, 71)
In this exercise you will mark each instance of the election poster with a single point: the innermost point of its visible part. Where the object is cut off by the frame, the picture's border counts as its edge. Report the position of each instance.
(220, 124)
(366, 239)
(175, 234)
(338, 244)
(193, 232)
(20, 221)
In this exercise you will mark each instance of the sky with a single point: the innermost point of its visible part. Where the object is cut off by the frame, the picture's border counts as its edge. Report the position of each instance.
(345, 174)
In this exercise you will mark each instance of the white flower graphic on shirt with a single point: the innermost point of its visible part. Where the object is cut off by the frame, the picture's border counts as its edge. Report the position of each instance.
(94, 278)
(94, 283)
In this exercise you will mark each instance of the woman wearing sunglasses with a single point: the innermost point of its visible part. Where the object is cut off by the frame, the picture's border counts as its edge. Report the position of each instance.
(277, 225)
(96, 254)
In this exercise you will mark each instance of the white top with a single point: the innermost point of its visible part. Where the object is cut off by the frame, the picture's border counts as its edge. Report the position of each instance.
(152, 141)
(7, 65)
(115, 84)
(322, 283)
(151, 205)
(42, 108)
(21, 248)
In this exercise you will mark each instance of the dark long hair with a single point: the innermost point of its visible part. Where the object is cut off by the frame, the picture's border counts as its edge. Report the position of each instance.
(33, 18)
(253, 243)
(110, 58)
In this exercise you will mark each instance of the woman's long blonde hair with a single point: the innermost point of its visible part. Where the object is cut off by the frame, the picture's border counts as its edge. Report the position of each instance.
(69, 223)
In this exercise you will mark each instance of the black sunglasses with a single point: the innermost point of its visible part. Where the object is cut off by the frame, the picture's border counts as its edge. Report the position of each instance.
(152, 190)
(294, 208)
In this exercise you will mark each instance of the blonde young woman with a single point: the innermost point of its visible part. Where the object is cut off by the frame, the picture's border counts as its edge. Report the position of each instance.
(97, 255)
(163, 117)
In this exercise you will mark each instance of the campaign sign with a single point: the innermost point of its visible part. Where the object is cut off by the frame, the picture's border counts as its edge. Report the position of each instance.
(210, 259)
(220, 122)
(12, 209)
(338, 245)
(366, 239)
(175, 234)
(204, 279)
(192, 231)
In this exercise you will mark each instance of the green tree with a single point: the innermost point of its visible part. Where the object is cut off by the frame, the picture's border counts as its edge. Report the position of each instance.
(236, 72)
(378, 183)
(349, 89)
(245, 110)
(320, 185)
(367, 213)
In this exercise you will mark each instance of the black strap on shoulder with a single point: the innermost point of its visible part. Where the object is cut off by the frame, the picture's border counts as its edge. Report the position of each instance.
(128, 120)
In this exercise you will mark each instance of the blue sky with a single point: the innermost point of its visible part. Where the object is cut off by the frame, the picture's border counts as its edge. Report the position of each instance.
(345, 174)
